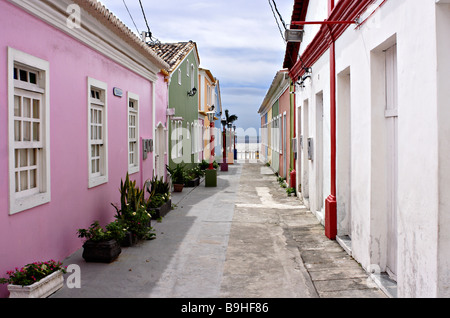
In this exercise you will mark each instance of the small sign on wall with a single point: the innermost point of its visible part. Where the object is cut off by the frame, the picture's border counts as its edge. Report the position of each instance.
(117, 92)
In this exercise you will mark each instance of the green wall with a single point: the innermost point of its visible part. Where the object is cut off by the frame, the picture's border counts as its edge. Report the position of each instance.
(185, 106)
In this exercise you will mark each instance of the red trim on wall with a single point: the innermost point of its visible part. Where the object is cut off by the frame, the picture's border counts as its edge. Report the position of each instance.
(345, 10)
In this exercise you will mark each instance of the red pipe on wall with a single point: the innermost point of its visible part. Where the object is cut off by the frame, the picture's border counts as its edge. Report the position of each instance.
(330, 202)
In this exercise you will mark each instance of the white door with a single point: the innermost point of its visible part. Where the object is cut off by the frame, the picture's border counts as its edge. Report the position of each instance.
(318, 155)
(391, 115)
(160, 151)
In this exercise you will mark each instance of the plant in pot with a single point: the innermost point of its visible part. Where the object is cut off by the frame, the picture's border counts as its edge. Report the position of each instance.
(203, 165)
(178, 176)
(159, 202)
(194, 176)
(35, 280)
(132, 213)
(102, 244)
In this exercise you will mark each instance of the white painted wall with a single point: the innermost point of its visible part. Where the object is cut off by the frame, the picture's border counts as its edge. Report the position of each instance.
(420, 30)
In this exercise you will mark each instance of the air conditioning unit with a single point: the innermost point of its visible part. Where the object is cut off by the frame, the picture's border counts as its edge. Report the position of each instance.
(294, 35)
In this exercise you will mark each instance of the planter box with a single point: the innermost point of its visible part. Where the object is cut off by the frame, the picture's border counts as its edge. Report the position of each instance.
(162, 210)
(101, 252)
(41, 289)
(211, 178)
(192, 183)
(129, 240)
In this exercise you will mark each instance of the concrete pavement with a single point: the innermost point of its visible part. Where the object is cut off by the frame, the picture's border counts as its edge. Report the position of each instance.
(245, 238)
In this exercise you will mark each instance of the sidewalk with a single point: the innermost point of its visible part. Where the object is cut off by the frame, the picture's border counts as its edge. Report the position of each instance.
(245, 238)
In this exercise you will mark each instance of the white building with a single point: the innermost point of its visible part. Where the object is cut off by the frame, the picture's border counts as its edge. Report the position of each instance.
(379, 92)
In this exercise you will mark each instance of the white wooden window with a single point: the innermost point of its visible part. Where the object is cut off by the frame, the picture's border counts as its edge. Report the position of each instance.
(29, 134)
(180, 139)
(192, 77)
(187, 68)
(193, 136)
(179, 76)
(133, 133)
(97, 133)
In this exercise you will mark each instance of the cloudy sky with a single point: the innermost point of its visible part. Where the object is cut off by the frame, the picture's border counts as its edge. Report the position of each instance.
(238, 40)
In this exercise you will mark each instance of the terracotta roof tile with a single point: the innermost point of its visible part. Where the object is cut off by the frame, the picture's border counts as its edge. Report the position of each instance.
(173, 53)
(107, 18)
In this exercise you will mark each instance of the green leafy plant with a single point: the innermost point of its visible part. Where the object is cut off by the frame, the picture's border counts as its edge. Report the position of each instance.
(156, 201)
(203, 165)
(194, 173)
(139, 224)
(178, 174)
(132, 213)
(157, 186)
(32, 273)
(290, 191)
(115, 230)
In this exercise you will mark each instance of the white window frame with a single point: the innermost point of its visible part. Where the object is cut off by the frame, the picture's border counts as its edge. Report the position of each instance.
(193, 76)
(28, 199)
(187, 68)
(133, 167)
(96, 179)
(179, 76)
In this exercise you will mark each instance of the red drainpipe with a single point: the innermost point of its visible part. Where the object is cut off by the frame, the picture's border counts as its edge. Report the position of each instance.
(330, 202)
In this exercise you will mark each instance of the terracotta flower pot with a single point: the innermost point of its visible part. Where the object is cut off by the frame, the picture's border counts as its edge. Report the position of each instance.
(178, 187)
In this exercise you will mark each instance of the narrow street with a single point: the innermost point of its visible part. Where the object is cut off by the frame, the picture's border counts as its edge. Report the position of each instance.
(244, 239)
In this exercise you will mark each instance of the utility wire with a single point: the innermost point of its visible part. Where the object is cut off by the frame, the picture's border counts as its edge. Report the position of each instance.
(152, 41)
(281, 18)
(276, 20)
(137, 30)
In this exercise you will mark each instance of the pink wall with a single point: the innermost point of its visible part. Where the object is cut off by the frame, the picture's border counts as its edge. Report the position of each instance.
(49, 231)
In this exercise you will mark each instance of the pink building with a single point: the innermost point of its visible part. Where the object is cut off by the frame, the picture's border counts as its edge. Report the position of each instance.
(79, 93)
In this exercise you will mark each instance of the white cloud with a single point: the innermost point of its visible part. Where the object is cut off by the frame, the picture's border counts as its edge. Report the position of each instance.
(239, 41)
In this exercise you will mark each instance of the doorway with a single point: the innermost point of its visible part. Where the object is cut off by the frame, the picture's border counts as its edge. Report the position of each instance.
(391, 116)
(160, 151)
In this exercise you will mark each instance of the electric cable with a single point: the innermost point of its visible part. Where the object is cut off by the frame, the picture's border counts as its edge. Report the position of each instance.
(279, 15)
(276, 20)
(152, 40)
(137, 30)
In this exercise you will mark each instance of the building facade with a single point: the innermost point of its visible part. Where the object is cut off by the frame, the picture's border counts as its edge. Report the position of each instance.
(372, 133)
(275, 112)
(74, 112)
(185, 130)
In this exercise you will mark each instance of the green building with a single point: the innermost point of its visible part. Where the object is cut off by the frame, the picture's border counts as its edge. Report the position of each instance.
(184, 128)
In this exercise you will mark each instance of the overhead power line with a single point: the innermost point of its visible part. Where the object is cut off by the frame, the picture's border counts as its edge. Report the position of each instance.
(279, 15)
(152, 40)
(276, 20)
(137, 30)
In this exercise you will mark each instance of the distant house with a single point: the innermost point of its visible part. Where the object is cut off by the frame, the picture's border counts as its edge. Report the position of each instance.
(206, 99)
(185, 130)
(275, 112)
(76, 102)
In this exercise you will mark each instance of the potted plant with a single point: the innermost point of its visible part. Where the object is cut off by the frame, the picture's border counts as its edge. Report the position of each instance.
(178, 176)
(102, 245)
(159, 202)
(133, 214)
(35, 280)
(194, 176)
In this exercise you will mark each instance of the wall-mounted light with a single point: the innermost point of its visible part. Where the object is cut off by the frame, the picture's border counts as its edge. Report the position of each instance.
(192, 92)
(302, 79)
(294, 35)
